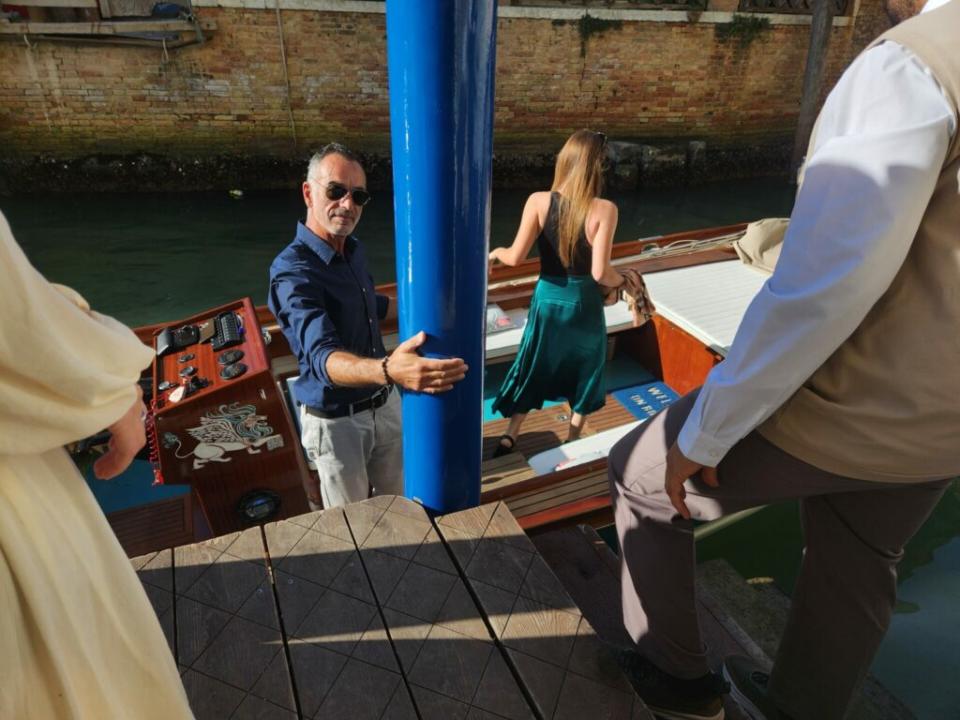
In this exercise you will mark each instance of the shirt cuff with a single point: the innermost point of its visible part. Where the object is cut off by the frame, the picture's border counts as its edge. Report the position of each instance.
(321, 365)
(700, 447)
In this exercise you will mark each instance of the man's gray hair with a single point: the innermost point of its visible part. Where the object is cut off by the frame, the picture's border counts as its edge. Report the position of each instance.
(333, 148)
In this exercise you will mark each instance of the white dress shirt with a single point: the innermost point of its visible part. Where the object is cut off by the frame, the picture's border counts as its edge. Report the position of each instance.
(885, 127)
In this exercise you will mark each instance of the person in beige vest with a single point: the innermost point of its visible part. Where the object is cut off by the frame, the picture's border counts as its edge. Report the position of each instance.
(839, 390)
(79, 639)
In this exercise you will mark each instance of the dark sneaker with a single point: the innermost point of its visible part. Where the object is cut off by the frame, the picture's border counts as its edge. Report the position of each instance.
(673, 698)
(748, 686)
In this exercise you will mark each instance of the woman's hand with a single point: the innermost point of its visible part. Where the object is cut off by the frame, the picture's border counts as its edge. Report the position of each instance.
(127, 436)
(492, 259)
(639, 299)
(610, 293)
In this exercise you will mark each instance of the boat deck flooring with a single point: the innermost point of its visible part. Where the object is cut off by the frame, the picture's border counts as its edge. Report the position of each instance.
(377, 611)
(507, 476)
(547, 428)
(543, 429)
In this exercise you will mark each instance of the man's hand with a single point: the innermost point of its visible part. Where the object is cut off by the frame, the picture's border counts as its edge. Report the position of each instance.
(679, 468)
(311, 486)
(413, 372)
(126, 438)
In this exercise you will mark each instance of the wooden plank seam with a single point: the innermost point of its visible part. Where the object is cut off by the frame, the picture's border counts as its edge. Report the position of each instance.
(291, 674)
(383, 618)
(508, 660)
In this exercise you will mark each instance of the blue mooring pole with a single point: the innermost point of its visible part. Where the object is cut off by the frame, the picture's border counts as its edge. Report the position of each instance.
(440, 58)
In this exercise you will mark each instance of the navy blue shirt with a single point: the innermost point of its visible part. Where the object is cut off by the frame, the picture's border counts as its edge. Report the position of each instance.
(324, 302)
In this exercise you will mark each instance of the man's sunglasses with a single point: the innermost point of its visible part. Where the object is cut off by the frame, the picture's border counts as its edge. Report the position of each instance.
(336, 191)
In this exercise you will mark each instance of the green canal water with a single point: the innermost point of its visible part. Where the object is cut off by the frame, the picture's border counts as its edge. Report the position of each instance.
(146, 258)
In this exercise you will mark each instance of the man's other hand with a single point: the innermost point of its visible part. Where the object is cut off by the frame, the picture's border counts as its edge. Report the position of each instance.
(311, 486)
(679, 468)
(126, 438)
(420, 374)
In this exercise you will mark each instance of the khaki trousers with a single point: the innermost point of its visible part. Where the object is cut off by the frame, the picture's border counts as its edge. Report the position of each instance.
(854, 533)
(356, 455)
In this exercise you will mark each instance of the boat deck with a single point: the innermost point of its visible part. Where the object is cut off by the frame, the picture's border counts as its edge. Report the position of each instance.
(704, 303)
(376, 611)
(707, 301)
(547, 428)
(534, 498)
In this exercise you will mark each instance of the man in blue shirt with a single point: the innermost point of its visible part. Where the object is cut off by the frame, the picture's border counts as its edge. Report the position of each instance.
(323, 296)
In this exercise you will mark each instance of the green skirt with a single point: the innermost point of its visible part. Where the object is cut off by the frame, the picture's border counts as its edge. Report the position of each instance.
(563, 350)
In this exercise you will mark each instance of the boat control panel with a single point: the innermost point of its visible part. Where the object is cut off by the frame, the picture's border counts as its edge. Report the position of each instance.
(183, 350)
(220, 421)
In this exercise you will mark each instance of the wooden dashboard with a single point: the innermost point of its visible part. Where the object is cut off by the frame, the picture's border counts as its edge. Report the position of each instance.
(222, 424)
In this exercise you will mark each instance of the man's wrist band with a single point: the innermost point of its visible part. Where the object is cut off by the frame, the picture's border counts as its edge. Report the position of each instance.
(386, 375)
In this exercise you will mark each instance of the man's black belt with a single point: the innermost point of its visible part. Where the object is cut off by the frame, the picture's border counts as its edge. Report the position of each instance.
(371, 403)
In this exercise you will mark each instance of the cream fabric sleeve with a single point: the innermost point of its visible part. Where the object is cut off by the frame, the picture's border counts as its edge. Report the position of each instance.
(66, 372)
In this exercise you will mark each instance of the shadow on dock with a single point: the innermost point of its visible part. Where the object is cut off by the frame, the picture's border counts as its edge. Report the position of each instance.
(376, 611)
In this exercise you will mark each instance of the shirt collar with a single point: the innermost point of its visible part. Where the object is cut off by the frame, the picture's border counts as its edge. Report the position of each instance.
(321, 247)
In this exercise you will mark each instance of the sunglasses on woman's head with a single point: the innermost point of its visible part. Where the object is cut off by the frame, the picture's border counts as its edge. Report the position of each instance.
(336, 191)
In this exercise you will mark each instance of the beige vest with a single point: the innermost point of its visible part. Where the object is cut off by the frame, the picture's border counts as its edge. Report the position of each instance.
(886, 405)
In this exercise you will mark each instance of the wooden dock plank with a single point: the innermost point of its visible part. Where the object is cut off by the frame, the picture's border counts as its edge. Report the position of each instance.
(155, 571)
(539, 628)
(577, 565)
(325, 606)
(230, 662)
(375, 611)
(448, 660)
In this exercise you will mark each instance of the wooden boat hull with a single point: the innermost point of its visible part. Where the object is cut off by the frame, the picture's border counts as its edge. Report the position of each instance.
(221, 478)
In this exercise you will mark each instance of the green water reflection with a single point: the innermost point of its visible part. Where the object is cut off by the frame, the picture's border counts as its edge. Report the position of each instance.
(150, 257)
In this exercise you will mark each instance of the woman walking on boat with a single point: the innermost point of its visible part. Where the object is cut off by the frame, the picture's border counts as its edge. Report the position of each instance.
(564, 343)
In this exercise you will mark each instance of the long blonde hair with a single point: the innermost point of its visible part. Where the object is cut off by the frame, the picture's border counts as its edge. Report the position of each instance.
(579, 172)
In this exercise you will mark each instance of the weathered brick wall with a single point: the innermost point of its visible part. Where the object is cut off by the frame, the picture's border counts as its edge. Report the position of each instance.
(635, 79)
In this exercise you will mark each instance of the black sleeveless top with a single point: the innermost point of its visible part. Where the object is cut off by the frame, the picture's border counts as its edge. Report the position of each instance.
(548, 245)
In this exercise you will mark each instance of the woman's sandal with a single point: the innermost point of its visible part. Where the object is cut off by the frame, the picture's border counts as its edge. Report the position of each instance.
(503, 448)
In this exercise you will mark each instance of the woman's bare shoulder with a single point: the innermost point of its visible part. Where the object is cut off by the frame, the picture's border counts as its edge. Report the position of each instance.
(539, 198)
(603, 204)
(601, 208)
(538, 202)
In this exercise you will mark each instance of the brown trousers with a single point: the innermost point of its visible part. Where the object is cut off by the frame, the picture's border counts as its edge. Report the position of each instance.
(854, 533)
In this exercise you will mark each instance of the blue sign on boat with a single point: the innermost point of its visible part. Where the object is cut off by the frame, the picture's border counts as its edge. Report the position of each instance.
(646, 400)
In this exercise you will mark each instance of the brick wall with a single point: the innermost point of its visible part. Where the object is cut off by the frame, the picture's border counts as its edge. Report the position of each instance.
(635, 78)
